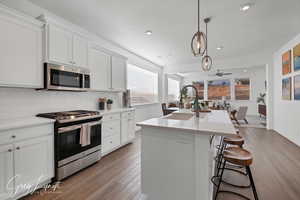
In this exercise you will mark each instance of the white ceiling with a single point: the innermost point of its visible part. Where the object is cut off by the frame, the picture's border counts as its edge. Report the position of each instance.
(265, 27)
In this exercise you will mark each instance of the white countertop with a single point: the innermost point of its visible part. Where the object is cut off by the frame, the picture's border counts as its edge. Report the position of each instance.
(216, 122)
(115, 110)
(7, 124)
(14, 123)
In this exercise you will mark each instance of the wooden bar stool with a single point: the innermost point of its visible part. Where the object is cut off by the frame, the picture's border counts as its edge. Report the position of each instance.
(241, 157)
(228, 140)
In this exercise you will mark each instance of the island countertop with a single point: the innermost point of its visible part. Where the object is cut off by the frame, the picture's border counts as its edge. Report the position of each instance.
(216, 122)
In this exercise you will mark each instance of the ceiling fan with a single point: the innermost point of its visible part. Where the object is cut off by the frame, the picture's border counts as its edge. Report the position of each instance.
(220, 74)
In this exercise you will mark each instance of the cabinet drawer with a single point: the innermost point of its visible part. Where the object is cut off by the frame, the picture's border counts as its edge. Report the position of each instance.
(128, 115)
(15, 135)
(110, 128)
(111, 117)
(110, 143)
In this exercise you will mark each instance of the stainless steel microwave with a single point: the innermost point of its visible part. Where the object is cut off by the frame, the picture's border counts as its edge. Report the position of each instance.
(59, 77)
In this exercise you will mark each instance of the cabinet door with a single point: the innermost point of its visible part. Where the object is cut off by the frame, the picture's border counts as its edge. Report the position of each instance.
(6, 171)
(33, 162)
(131, 129)
(124, 130)
(60, 45)
(128, 127)
(80, 51)
(20, 54)
(118, 73)
(99, 64)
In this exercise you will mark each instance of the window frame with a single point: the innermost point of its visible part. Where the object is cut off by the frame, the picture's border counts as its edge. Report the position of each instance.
(158, 84)
(167, 87)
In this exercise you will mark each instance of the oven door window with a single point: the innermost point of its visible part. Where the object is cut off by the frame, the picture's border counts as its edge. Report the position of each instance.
(66, 79)
(87, 81)
(69, 142)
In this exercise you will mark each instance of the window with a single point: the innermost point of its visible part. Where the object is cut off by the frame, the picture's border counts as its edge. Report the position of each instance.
(218, 89)
(143, 85)
(173, 90)
(242, 89)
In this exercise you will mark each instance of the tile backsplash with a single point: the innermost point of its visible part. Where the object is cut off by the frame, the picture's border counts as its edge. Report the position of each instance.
(18, 102)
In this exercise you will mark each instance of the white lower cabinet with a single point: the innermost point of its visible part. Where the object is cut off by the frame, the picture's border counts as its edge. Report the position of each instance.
(6, 171)
(33, 161)
(128, 127)
(26, 163)
(117, 131)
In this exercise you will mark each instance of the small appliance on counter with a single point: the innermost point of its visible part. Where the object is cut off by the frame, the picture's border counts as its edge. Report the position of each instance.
(70, 129)
(126, 99)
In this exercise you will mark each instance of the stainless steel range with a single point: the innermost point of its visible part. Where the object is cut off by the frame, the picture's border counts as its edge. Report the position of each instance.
(77, 140)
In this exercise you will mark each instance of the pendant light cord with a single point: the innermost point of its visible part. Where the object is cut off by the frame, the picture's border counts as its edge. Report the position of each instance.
(198, 15)
(206, 39)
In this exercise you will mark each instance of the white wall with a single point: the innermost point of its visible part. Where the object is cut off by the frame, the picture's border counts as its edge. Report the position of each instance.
(19, 102)
(286, 113)
(257, 77)
(57, 101)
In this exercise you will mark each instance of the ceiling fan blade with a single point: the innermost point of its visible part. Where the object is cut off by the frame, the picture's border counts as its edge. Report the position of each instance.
(228, 73)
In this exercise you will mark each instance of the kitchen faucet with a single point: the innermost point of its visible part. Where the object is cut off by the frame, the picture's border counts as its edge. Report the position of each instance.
(196, 103)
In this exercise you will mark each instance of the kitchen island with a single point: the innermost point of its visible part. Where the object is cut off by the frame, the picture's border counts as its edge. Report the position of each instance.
(177, 154)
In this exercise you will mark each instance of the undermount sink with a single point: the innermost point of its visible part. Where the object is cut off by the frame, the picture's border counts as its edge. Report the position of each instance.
(180, 116)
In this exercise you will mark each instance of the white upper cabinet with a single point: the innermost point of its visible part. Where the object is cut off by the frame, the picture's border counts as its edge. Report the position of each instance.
(71, 46)
(108, 70)
(60, 45)
(118, 72)
(20, 50)
(6, 171)
(99, 65)
(64, 47)
(80, 51)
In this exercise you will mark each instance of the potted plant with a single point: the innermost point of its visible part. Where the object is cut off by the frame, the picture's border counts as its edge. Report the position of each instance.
(262, 108)
(102, 102)
(109, 103)
(261, 98)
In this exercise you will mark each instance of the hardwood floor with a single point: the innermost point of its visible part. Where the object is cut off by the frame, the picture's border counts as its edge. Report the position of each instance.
(276, 171)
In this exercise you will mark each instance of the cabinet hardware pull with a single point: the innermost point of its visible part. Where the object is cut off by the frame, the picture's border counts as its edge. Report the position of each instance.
(13, 136)
(18, 148)
(9, 150)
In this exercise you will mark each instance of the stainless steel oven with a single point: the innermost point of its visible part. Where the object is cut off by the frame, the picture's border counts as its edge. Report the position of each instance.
(59, 77)
(71, 156)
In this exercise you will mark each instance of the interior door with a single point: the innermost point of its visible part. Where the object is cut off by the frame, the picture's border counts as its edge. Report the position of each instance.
(60, 44)
(6, 171)
(33, 162)
(99, 64)
(118, 72)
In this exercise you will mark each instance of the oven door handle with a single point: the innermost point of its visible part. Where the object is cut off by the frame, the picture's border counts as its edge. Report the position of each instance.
(69, 128)
(95, 123)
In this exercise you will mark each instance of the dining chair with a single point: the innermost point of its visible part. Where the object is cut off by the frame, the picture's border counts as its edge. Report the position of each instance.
(240, 114)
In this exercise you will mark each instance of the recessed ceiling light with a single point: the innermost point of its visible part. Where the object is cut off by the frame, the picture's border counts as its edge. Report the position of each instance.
(245, 7)
(220, 48)
(245, 70)
(149, 32)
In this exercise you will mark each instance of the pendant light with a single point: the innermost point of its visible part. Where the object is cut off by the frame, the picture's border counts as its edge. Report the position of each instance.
(206, 60)
(198, 43)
